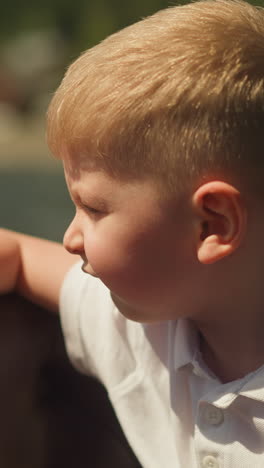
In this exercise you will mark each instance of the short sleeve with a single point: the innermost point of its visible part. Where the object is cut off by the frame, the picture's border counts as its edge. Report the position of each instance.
(70, 300)
(99, 340)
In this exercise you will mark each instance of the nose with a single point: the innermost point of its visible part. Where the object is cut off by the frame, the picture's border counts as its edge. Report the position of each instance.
(73, 239)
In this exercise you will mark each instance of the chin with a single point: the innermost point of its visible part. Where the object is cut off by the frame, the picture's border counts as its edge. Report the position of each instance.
(124, 308)
(134, 313)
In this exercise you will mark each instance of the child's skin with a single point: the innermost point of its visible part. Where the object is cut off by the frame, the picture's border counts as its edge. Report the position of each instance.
(194, 251)
(193, 256)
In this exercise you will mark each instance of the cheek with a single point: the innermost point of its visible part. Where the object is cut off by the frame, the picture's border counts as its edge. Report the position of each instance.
(103, 250)
(116, 257)
(128, 265)
(110, 258)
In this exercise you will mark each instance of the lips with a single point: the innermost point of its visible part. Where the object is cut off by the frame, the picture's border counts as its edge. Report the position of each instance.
(86, 268)
(83, 267)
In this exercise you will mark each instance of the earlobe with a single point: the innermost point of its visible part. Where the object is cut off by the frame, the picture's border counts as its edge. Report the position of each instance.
(221, 220)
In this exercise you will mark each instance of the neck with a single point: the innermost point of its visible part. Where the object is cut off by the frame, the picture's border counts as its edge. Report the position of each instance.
(230, 316)
(232, 350)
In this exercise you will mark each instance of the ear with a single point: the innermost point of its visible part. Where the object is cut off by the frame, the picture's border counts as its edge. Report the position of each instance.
(221, 220)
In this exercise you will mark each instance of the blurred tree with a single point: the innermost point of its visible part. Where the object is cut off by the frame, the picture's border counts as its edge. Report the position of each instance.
(82, 23)
(38, 39)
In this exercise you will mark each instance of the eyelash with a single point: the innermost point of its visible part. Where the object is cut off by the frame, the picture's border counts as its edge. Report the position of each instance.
(92, 211)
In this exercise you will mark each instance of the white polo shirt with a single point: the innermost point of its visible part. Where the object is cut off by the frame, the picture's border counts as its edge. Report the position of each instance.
(173, 411)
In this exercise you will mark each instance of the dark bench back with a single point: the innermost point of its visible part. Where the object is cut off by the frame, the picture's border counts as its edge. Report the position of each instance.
(51, 415)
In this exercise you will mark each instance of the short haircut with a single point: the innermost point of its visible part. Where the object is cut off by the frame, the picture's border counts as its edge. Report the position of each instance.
(178, 96)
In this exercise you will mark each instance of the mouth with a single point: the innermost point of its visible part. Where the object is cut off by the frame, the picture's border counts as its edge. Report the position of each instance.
(87, 269)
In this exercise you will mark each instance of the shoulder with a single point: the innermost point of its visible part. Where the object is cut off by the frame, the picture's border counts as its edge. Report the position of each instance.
(99, 339)
(96, 334)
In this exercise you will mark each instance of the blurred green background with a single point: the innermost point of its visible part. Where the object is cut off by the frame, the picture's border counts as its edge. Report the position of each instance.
(37, 42)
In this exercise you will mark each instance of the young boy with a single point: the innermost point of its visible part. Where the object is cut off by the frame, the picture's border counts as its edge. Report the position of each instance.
(160, 130)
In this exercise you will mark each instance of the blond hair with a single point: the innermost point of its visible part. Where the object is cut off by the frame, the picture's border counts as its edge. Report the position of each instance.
(178, 96)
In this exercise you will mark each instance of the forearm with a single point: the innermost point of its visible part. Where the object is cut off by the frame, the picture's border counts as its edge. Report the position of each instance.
(10, 261)
(33, 267)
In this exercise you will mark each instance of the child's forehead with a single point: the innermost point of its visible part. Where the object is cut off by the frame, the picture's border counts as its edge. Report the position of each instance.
(79, 163)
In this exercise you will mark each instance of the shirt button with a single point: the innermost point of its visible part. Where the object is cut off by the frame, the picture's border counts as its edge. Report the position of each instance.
(213, 415)
(210, 462)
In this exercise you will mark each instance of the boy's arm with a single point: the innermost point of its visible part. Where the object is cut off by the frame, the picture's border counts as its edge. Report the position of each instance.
(33, 267)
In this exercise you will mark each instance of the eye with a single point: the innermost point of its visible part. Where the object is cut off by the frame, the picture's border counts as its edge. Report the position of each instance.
(93, 211)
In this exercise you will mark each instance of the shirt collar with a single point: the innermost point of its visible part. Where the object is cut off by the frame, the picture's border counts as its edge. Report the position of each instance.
(251, 386)
(254, 385)
(185, 343)
(186, 351)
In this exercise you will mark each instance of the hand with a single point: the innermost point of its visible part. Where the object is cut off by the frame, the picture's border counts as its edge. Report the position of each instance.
(10, 260)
